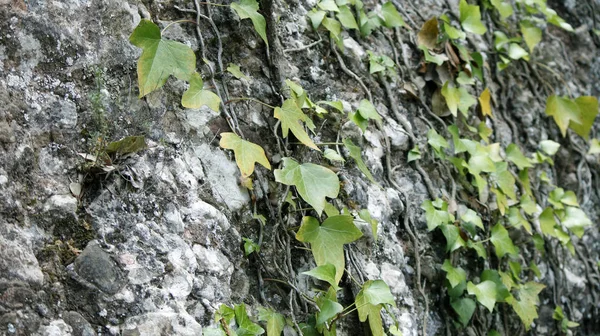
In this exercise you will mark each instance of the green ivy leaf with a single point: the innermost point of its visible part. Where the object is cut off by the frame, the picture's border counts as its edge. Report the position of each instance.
(547, 221)
(369, 302)
(368, 111)
(452, 96)
(347, 18)
(313, 182)
(436, 141)
(324, 273)
(459, 147)
(575, 220)
(485, 293)
(250, 246)
(502, 241)
(470, 18)
(316, 17)
(355, 153)
(292, 117)
(414, 154)
(327, 240)
(366, 216)
(246, 152)
(549, 147)
(526, 306)
(245, 326)
(594, 147)
(248, 9)
(479, 249)
(516, 219)
(333, 26)
(391, 17)
(195, 96)
(588, 106)
(505, 180)
(469, 216)
(224, 312)
(434, 216)
(464, 308)
(235, 70)
(531, 34)
(275, 321)
(328, 5)
(333, 155)
(328, 310)
(514, 155)
(431, 57)
(160, 58)
(504, 8)
(455, 275)
(453, 33)
(501, 291)
(453, 239)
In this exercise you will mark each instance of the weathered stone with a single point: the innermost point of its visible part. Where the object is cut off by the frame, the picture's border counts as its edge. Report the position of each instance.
(98, 268)
(79, 325)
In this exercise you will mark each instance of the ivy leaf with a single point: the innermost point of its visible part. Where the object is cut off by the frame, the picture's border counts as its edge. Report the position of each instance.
(324, 273)
(249, 9)
(516, 52)
(369, 302)
(470, 18)
(224, 312)
(428, 35)
(333, 26)
(453, 33)
(504, 179)
(485, 293)
(431, 57)
(527, 204)
(588, 107)
(514, 155)
(505, 9)
(434, 216)
(594, 147)
(484, 102)
(292, 117)
(531, 34)
(563, 110)
(368, 111)
(459, 147)
(453, 239)
(245, 326)
(355, 153)
(328, 5)
(316, 17)
(347, 18)
(466, 100)
(246, 152)
(328, 310)
(333, 155)
(195, 96)
(549, 147)
(452, 96)
(455, 275)
(275, 321)
(250, 246)
(501, 291)
(502, 241)
(160, 58)
(391, 17)
(366, 216)
(471, 217)
(436, 141)
(516, 219)
(575, 220)
(414, 154)
(479, 249)
(526, 306)
(313, 182)
(464, 308)
(327, 240)
(234, 69)
(547, 221)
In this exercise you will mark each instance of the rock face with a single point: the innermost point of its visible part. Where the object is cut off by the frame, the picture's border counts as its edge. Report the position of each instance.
(152, 243)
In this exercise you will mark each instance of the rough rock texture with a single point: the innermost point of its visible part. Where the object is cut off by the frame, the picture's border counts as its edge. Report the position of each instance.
(154, 247)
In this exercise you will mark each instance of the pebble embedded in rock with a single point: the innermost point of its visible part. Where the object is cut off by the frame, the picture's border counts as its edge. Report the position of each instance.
(97, 267)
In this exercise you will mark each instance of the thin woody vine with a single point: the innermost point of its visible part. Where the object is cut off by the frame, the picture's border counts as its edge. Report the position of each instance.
(491, 187)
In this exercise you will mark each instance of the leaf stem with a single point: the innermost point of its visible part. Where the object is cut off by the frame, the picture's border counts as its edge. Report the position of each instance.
(176, 22)
(232, 100)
